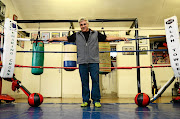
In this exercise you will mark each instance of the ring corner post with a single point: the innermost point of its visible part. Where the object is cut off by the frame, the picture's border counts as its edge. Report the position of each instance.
(137, 57)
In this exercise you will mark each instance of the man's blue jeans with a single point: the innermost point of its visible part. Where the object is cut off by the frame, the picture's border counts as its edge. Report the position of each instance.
(84, 70)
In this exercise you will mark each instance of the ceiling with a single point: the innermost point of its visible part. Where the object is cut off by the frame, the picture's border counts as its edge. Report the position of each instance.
(150, 13)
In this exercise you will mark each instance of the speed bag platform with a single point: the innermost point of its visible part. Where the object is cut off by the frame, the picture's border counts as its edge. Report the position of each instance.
(38, 57)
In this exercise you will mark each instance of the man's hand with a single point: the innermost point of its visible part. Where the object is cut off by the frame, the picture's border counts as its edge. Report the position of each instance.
(123, 38)
(61, 39)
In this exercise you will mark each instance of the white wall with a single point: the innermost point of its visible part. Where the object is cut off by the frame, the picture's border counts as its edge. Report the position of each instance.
(127, 78)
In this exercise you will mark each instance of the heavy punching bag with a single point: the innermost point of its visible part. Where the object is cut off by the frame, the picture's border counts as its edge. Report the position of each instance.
(104, 58)
(70, 59)
(37, 57)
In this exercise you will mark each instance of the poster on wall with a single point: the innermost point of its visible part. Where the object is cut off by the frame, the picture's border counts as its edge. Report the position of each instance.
(128, 48)
(20, 43)
(160, 58)
(45, 36)
(142, 41)
(64, 34)
(141, 48)
(34, 35)
(18, 36)
(55, 34)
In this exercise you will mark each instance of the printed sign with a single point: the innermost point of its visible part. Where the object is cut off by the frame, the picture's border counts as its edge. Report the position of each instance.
(172, 39)
(9, 49)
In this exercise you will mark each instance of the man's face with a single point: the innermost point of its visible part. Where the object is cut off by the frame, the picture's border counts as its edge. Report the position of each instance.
(84, 26)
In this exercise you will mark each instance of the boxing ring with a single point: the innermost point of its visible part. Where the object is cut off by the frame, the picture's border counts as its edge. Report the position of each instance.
(10, 41)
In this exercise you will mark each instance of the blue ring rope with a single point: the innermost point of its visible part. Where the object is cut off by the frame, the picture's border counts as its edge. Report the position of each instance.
(1, 49)
(121, 40)
(111, 41)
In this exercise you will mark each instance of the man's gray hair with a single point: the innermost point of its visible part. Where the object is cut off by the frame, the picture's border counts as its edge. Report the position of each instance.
(83, 19)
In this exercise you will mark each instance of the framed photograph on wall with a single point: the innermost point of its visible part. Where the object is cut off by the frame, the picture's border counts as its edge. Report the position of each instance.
(143, 48)
(128, 42)
(64, 34)
(45, 36)
(160, 58)
(128, 48)
(142, 41)
(34, 35)
(55, 34)
(18, 36)
(22, 42)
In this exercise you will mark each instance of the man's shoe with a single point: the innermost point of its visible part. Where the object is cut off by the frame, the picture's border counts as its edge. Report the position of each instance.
(97, 104)
(85, 104)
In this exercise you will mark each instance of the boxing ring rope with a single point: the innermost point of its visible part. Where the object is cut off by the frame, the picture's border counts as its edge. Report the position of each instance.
(22, 39)
(137, 55)
(135, 23)
(139, 29)
(45, 67)
(99, 51)
(25, 39)
(1, 49)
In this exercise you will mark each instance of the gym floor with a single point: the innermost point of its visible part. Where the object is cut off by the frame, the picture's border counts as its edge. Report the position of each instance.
(115, 108)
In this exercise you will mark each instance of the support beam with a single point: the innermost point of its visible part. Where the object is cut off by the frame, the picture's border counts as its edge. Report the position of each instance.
(96, 20)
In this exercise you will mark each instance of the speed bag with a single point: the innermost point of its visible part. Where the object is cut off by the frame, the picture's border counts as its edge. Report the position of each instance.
(38, 57)
(70, 59)
(104, 58)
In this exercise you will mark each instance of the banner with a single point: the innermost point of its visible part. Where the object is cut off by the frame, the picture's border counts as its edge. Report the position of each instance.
(172, 39)
(9, 49)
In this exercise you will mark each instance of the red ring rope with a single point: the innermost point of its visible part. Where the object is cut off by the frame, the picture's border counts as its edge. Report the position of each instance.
(100, 67)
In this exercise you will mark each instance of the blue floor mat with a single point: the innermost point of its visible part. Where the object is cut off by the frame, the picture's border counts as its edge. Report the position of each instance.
(74, 111)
